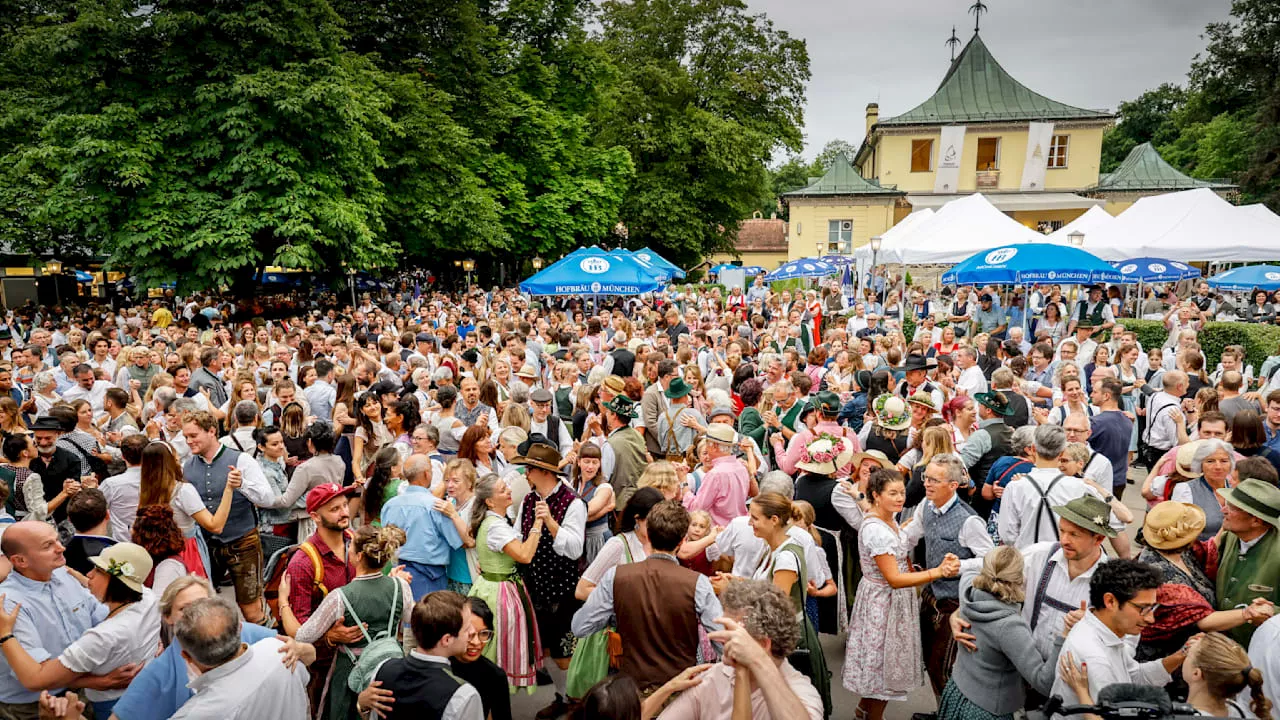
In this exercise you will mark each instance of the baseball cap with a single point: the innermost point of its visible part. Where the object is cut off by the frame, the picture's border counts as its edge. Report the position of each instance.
(322, 494)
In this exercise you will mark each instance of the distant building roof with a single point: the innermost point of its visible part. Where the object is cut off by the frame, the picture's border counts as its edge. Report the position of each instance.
(762, 235)
(1145, 171)
(843, 179)
(976, 89)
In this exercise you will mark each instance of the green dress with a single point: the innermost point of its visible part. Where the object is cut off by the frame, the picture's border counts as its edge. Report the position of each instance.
(515, 646)
(372, 599)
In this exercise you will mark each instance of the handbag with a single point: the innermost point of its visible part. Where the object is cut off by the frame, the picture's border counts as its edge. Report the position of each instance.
(596, 654)
(808, 657)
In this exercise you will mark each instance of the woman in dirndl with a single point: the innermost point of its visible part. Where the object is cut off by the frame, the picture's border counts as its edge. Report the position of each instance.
(883, 656)
(162, 484)
(515, 645)
(592, 488)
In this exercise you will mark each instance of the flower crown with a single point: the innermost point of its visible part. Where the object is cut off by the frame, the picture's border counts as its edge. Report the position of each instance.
(823, 449)
(118, 569)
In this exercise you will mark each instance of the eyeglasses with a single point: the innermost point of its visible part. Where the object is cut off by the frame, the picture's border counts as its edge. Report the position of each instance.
(1144, 609)
(484, 635)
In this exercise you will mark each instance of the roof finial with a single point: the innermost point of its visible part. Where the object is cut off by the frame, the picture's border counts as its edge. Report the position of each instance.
(977, 8)
(953, 42)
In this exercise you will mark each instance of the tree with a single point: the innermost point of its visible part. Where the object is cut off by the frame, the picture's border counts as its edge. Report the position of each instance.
(705, 94)
(1148, 118)
(194, 141)
(833, 148)
(790, 175)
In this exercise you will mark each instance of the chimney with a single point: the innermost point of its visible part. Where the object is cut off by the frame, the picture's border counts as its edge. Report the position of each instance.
(873, 116)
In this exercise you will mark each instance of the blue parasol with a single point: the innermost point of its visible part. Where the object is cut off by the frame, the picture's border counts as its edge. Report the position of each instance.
(1031, 263)
(594, 273)
(1244, 279)
(1150, 269)
(802, 268)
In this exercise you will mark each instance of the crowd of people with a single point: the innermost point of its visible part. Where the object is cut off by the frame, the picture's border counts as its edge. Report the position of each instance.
(427, 503)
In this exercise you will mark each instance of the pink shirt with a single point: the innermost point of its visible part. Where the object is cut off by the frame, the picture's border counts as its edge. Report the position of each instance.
(787, 460)
(723, 493)
(712, 699)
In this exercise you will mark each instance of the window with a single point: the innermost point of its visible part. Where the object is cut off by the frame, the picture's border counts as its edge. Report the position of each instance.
(1058, 151)
(988, 154)
(921, 155)
(839, 237)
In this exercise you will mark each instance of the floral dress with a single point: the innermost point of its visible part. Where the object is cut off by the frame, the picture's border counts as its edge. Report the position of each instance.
(883, 659)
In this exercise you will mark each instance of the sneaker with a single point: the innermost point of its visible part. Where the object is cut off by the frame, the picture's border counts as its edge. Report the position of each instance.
(556, 709)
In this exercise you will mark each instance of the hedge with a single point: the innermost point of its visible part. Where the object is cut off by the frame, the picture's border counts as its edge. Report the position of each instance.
(1259, 341)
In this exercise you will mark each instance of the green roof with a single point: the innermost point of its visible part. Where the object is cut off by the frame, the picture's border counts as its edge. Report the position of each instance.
(1144, 170)
(976, 89)
(842, 179)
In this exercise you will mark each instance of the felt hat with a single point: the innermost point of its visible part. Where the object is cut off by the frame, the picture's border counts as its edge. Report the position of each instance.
(1171, 525)
(678, 389)
(126, 562)
(828, 403)
(623, 406)
(1257, 497)
(1088, 512)
(540, 455)
(915, 361)
(995, 401)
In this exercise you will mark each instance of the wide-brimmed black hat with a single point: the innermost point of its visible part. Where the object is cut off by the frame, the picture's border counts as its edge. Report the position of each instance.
(915, 361)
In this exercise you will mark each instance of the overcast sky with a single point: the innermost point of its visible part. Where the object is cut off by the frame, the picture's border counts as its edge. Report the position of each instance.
(1088, 53)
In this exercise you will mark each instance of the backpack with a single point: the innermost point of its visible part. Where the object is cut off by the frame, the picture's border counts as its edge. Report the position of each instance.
(278, 564)
(379, 649)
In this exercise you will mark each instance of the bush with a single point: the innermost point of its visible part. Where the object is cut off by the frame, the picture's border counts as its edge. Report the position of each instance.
(1259, 341)
(1151, 333)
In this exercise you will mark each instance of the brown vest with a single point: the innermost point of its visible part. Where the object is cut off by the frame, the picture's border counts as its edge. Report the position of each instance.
(653, 601)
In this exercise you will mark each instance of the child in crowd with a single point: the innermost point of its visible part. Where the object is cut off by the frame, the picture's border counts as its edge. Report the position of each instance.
(699, 550)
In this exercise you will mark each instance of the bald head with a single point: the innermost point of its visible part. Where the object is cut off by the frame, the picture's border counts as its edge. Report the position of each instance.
(33, 548)
(417, 470)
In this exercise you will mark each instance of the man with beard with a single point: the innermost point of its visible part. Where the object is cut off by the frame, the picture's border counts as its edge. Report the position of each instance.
(55, 465)
(321, 564)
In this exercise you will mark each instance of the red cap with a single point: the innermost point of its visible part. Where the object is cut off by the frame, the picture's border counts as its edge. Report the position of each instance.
(322, 494)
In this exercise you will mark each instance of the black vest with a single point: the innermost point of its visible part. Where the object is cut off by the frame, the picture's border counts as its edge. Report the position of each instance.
(422, 688)
(1021, 411)
(624, 362)
(816, 490)
(1001, 442)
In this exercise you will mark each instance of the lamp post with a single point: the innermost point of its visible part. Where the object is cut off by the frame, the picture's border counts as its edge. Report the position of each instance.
(54, 269)
(876, 240)
(820, 247)
(537, 263)
(1076, 238)
(468, 265)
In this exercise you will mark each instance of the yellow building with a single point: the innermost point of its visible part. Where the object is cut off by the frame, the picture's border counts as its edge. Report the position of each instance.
(983, 131)
(838, 212)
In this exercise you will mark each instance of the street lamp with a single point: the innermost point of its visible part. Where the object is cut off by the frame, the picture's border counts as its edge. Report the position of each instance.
(876, 240)
(54, 268)
(537, 263)
(1076, 238)
(468, 265)
(820, 247)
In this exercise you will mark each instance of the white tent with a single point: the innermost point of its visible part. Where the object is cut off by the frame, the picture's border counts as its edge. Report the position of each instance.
(1188, 226)
(1093, 220)
(960, 228)
(1261, 212)
(890, 237)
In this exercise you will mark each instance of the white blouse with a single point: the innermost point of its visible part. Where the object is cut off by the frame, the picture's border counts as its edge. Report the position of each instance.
(132, 635)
